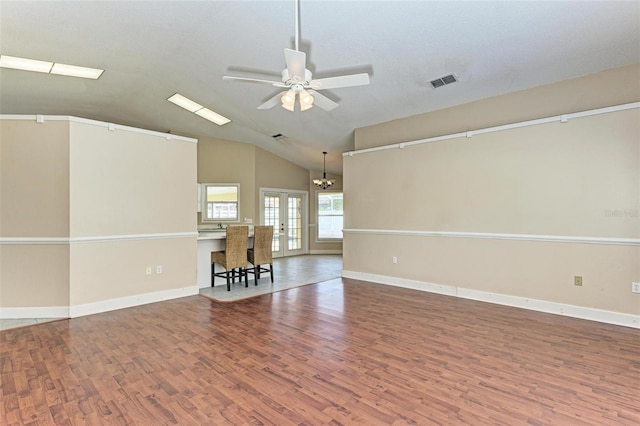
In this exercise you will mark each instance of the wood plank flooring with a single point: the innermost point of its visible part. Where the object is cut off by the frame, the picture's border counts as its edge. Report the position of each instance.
(339, 352)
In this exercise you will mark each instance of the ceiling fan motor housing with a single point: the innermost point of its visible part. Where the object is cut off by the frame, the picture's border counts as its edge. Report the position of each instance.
(288, 80)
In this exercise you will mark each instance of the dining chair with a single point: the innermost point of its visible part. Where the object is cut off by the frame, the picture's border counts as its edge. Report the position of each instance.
(233, 257)
(261, 253)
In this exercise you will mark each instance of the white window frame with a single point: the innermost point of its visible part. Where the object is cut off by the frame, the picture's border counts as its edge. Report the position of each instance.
(205, 207)
(325, 239)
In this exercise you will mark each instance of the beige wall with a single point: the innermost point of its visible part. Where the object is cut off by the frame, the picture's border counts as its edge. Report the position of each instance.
(34, 275)
(276, 172)
(34, 197)
(110, 199)
(551, 179)
(126, 183)
(116, 269)
(221, 161)
(576, 179)
(34, 203)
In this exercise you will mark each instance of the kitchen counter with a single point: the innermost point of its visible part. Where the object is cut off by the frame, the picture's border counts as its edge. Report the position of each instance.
(208, 241)
(212, 235)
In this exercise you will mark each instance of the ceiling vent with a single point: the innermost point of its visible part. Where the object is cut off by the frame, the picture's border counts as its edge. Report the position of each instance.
(443, 81)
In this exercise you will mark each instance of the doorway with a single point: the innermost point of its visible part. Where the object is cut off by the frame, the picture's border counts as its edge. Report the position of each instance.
(286, 211)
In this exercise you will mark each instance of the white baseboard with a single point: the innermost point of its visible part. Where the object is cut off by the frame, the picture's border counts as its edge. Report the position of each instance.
(608, 317)
(35, 312)
(97, 307)
(129, 301)
(325, 251)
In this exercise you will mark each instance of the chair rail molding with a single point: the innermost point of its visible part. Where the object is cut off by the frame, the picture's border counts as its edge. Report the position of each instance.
(499, 236)
(94, 239)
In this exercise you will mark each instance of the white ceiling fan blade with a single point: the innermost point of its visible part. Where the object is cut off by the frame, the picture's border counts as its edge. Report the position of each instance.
(272, 102)
(254, 80)
(341, 81)
(322, 101)
(296, 62)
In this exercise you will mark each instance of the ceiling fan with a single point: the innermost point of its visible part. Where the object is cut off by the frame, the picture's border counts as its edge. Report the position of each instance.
(298, 81)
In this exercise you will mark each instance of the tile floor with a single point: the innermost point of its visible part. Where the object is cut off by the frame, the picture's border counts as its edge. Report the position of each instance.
(288, 272)
(6, 324)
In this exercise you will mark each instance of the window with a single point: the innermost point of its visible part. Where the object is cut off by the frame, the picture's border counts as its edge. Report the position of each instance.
(330, 215)
(220, 202)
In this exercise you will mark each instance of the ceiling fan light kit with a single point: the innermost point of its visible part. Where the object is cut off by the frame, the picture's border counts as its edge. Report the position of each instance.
(298, 80)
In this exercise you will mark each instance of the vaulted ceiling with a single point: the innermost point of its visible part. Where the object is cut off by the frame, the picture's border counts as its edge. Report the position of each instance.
(153, 49)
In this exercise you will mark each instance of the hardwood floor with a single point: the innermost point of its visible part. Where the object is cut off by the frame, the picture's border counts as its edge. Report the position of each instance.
(338, 352)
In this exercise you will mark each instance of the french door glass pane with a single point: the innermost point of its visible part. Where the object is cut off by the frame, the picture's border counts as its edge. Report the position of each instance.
(295, 222)
(272, 217)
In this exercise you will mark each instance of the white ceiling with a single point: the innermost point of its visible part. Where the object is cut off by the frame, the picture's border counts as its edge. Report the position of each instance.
(153, 49)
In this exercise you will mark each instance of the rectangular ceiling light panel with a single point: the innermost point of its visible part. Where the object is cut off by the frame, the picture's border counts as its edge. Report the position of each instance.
(185, 103)
(25, 64)
(212, 116)
(75, 71)
(198, 109)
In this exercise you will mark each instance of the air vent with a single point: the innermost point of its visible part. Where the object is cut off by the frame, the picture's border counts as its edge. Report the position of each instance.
(443, 81)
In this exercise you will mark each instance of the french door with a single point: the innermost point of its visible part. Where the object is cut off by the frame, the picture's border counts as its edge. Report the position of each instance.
(286, 211)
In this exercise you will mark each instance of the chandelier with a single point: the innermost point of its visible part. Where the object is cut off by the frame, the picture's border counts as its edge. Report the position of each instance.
(324, 183)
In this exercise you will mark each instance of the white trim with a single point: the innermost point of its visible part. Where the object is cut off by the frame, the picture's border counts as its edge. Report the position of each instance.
(95, 239)
(35, 312)
(96, 307)
(130, 301)
(33, 240)
(563, 118)
(495, 236)
(608, 317)
(105, 238)
(110, 126)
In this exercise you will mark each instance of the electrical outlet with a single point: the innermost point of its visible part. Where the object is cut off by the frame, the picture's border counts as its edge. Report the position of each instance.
(635, 287)
(394, 259)
(148, 270)
(159, 269)
(577, 280)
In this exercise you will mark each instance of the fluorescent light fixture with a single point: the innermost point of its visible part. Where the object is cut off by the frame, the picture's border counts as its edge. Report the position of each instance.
(75, 71)
(185, 103)
(48, 67)
(25, 64)
(198, 109)
(212, 116)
